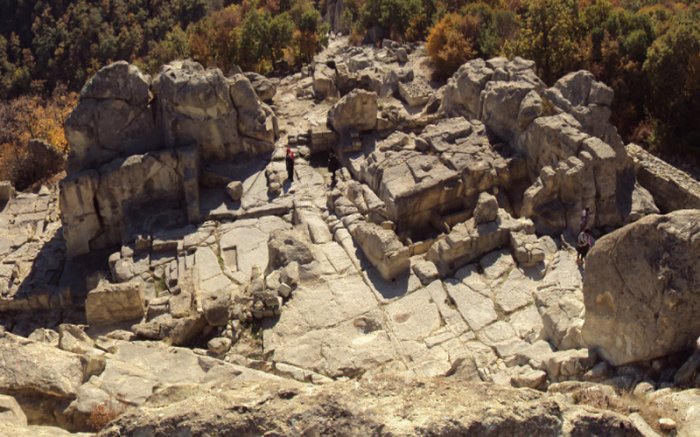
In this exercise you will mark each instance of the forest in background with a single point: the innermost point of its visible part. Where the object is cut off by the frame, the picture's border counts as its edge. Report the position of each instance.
(647, 50)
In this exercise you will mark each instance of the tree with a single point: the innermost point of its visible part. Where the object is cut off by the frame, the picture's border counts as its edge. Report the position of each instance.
(548, 37)
(673, 69)
(452, 42)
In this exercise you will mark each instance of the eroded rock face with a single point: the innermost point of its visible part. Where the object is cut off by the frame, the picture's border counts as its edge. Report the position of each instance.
(39, 376)
(99, 208)
(355, 111)
(114, 118)
(640, 288)
(194, 107)
(349, 408)
(119, 127)
(575, 158)
(114, 303)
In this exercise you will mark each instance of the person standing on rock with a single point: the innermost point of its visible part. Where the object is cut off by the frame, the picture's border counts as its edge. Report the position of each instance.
(585, 242)
(584, 218)
(333, 166)
(289, 161)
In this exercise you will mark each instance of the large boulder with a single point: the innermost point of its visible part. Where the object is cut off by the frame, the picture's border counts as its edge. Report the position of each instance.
(287, 246)
(42, 378)
(464, 88)
(383, 248)
(194, 107)
(355, 111)
(257, 123)
(113, 118)
(640, 288)
(113, 303)
(264, 87)
(500, 107)
(325, 82)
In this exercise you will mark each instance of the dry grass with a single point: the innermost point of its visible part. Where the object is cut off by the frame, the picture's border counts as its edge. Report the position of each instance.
(104, 413)
(626, 403)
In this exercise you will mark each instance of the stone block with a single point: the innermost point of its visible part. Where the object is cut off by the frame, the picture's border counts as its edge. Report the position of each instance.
(114, 303)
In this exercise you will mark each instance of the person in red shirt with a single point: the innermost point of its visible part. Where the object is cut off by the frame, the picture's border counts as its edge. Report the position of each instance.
(289, 160)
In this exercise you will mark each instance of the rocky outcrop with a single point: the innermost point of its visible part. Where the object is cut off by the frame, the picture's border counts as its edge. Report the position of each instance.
(442, 171)
(639, 289)
(101, 207)
(324, 82)
(383, 248)
(7, 191)
(367, 408)
(194, 107)
(42, 378)
(114, 118)
(474, 238)
(575, 158)
(264, 87)
(117, 133)
(357, 111)
(672, 188)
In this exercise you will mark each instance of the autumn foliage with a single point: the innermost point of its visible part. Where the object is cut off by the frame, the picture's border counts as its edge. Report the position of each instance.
(31, 117)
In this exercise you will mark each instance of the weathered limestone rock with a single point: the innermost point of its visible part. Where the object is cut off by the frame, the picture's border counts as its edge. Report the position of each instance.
(383, 248)
(7, 191)
(255, 120)
(418, 188)
(589, 102)
(195, 108)
(574, 155)
(486, 209)
(415, 93)
(212, 289)
(639, 294)
(72, 338)
(219, 345)
(264, 87)
(235, 190)
(569, 364)
(80, 219)
(10, 412)
(501, 106)
(114, 303)
(40, 377)
(126, 185)
(466, 409)
(528, 250)
(426, 271)
(469, 240)
(113, 118)
(325, 82)
(672, 188)
(98, 209)
(355, 111)
(285, 247)
(464, 88)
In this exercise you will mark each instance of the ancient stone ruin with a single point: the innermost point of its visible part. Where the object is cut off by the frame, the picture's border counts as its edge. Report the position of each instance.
(176, 265)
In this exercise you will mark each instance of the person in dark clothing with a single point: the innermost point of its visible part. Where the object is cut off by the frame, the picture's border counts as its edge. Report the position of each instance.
(585, 242)
(333, 166)
(289, 161)
(584, 218)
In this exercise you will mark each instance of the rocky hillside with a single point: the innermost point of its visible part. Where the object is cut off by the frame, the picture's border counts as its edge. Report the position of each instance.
(429, 287)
